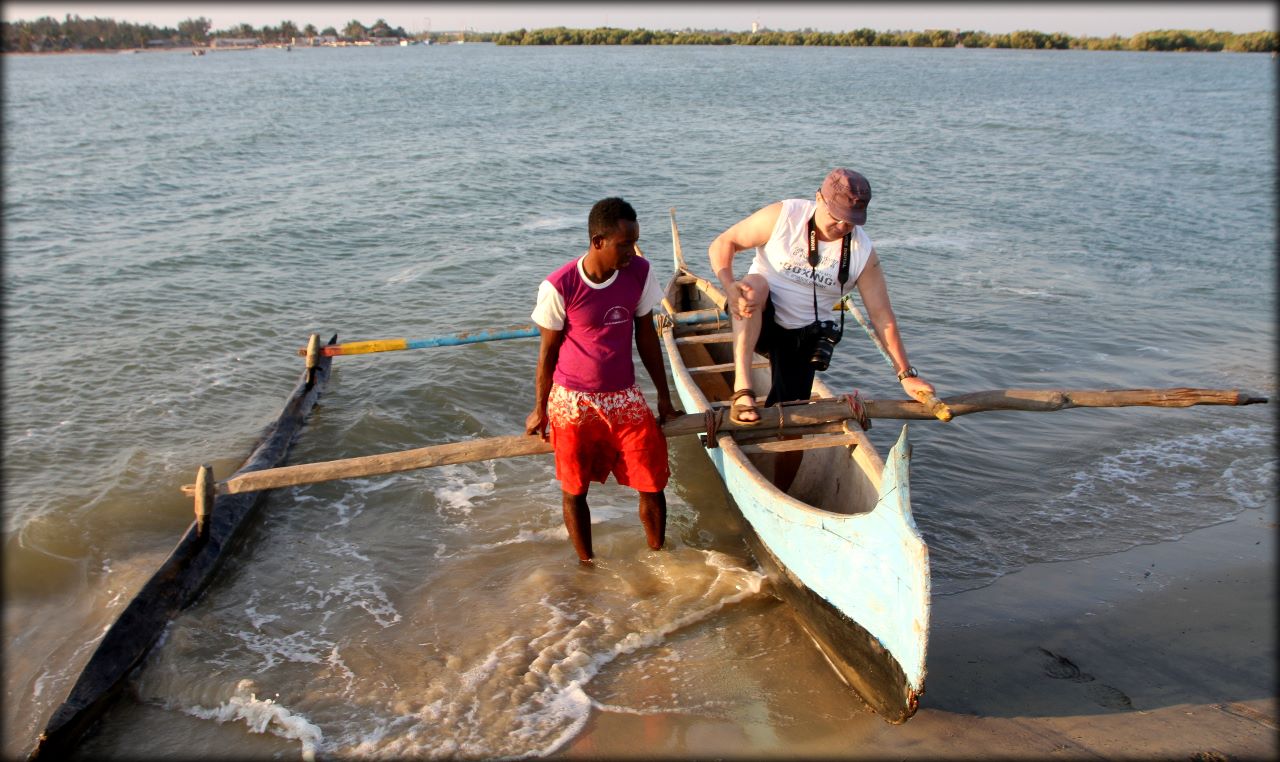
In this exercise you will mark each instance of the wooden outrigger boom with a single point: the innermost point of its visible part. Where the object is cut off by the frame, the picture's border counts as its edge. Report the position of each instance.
(818, 417)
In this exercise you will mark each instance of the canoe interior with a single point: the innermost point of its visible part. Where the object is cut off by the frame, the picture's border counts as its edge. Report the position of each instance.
(827, 477)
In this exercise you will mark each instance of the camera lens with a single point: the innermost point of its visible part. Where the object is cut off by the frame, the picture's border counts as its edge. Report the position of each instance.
(821, 359)
(824, 335)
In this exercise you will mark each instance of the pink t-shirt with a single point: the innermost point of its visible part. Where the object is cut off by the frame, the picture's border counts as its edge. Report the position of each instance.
(598, 321)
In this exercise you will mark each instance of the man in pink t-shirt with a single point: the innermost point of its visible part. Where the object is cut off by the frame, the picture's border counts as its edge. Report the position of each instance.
(599, 422)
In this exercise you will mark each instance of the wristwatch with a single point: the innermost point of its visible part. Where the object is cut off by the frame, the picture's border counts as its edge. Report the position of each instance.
(910, 372)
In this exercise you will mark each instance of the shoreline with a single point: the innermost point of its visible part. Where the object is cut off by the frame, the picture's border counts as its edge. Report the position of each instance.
(1164, 650)
(206, 49)
(127, 51)
(115, 51)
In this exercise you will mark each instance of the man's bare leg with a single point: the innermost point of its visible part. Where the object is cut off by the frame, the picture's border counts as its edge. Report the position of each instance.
(653, 516)
(577, 519)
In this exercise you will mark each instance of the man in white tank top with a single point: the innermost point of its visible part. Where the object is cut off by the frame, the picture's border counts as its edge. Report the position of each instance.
(774, 303)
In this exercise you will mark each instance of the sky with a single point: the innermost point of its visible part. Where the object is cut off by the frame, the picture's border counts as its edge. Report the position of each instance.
(1080, 19)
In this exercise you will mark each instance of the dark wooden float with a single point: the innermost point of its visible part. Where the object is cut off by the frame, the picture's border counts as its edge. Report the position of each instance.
(180, 580)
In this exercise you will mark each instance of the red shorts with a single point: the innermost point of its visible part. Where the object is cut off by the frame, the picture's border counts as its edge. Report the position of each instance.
(600, 433)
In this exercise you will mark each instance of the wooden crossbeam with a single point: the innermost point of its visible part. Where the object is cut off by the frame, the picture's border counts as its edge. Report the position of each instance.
(812, 443)
(726, 367)
(707, 338)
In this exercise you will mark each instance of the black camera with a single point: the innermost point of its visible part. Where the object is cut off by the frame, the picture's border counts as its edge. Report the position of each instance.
(823, 335)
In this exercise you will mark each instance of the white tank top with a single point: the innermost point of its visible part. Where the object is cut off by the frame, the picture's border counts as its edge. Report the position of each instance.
(784, 262)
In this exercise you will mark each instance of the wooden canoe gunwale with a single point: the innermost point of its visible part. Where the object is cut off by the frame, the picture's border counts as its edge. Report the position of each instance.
(177, 583)
(862, 659)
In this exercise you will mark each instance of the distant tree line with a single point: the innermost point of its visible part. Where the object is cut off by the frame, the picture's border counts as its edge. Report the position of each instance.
(76, 33)
(1181, 40)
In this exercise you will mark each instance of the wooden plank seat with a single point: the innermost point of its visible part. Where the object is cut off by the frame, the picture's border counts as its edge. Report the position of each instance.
(728, 366)
(707, 338)
(811, 443)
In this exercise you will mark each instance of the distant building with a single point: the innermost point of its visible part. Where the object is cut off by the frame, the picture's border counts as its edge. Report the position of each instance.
(234, 42)
(159, 43)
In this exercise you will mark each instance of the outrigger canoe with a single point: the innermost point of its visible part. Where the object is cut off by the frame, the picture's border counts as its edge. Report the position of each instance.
(840, 544)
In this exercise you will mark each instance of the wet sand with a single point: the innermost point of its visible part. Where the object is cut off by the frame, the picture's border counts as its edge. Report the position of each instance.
(1163, 651)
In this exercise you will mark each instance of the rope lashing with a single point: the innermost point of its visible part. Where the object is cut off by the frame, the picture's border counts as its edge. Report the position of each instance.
(712, 417)
(859, 410)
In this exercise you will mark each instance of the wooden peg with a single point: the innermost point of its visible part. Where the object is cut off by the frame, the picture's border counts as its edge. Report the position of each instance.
(313, 351)
(205, 495)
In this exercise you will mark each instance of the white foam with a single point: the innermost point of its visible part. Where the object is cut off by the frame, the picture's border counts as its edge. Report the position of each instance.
(300, 647)
(563, 698)
(363, 591)
(1156, 490)
(335, 661)
(342, 548)
(454, 499)
(346, 512)
(1250, 485)
(263, 715)
(255, 618)
(1140, 463)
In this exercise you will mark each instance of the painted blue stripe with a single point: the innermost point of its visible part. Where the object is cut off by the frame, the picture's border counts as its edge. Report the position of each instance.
(515, 332)
(521, 332)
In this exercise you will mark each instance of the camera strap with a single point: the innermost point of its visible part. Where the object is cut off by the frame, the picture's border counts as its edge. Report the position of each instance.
(813, 265)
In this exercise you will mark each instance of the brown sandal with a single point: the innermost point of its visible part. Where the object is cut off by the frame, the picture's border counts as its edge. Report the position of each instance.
(735, 409)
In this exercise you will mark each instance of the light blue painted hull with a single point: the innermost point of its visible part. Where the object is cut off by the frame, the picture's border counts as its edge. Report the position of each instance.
(857, 575)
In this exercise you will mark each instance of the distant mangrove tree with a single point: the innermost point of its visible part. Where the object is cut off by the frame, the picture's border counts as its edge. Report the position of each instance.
(47, 34)
(1171, 40)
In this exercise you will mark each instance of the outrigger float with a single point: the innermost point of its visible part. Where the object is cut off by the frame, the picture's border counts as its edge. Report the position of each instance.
(183, 576)
(839, 543)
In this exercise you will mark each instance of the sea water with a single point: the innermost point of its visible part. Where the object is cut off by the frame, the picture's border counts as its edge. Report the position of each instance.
(175, 226)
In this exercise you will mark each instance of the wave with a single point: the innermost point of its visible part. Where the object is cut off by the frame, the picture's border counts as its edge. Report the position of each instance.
(261, 716)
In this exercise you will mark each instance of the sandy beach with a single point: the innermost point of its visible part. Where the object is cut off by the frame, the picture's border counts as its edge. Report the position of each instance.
(1165, 651)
